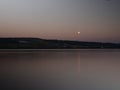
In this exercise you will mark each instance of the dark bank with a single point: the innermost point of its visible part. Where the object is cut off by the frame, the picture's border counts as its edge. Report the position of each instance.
(37, 43)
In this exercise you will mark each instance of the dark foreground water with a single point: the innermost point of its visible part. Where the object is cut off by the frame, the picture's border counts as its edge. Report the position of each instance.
(60, 70)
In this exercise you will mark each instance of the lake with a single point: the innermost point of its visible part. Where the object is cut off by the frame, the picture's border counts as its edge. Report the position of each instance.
(60, 70)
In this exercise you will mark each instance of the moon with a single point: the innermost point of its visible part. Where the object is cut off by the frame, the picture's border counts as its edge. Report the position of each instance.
(78, 33)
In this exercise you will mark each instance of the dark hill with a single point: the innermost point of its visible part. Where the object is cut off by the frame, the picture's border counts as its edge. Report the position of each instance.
(36, 43)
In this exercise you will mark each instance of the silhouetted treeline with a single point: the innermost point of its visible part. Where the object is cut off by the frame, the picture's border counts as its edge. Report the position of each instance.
(36, 43)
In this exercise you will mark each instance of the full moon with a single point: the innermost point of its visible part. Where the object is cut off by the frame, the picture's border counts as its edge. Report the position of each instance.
(78, 33)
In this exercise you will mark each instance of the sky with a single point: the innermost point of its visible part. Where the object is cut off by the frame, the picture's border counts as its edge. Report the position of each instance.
(96, 20)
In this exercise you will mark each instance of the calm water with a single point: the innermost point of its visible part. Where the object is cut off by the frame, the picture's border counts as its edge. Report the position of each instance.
(60, 70)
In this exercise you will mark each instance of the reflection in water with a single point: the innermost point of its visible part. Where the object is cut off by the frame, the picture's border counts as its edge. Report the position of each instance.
(60, 70)
(78, 62)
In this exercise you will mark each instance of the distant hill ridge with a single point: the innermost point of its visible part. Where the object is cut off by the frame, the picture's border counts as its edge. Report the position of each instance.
(37, 43)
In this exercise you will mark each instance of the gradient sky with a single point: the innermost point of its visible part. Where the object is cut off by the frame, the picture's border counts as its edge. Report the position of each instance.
(97, 20)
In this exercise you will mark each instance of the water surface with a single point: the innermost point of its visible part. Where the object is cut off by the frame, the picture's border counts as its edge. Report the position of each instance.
(60, 70)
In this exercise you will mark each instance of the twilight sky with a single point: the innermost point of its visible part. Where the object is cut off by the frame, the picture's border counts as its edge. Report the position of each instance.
(97, 20)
